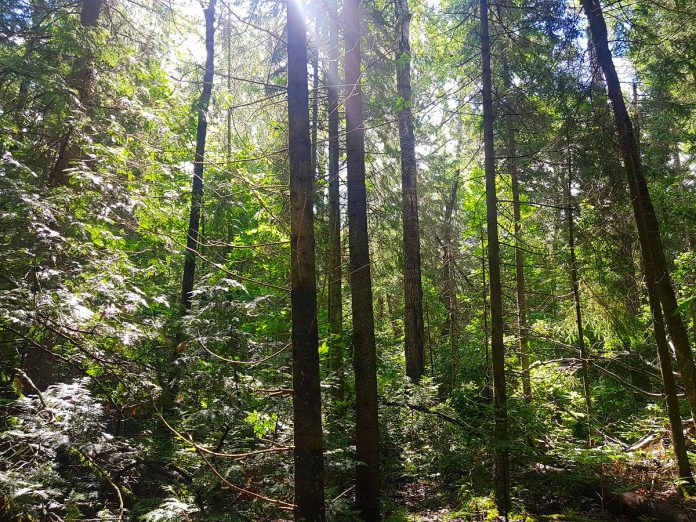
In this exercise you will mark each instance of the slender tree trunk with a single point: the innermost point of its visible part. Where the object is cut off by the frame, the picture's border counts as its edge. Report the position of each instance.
(199, 160)
(484, 313)
(501, 470)
(309, 464)
(450, 279)
(649, 237)
(335, 268)
(673, 413)
(364, 350)
(315, 90)
(228, 136)
(520, 283)
(81, 79)
(414, 330)
(575, 285)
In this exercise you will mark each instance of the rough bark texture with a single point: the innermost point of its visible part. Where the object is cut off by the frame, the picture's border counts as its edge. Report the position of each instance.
(364, 350)
(501, 469)
(414, 330)
(652, 250)
(334, 260)
(81, 80)
(199, 160)
(575, 286)
(309, 464)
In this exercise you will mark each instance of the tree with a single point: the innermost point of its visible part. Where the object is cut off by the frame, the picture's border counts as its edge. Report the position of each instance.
(334, 256)
(199, 160)
(81, 79)
(309, 464)
(520, 283)
(414, 330)
(575, 288)
(649, 237)
(364, 349)
(659, 285)
(501, 467)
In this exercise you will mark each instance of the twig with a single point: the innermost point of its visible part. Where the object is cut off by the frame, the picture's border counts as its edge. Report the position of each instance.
(33, 387)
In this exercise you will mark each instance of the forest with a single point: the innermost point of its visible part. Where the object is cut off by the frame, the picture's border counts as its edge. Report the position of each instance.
(400, 260)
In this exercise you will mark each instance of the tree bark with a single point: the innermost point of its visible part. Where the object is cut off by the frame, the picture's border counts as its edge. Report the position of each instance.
(649, 237)
(520, 283)
(199, 160)
(335, 262)
(81, 80)
(501, 472)
(309, 464)
(364, 349)
(414, 330)
(575, 285)
(673, 413)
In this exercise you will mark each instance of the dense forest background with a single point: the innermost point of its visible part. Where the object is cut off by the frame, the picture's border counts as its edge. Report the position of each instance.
(380, 260)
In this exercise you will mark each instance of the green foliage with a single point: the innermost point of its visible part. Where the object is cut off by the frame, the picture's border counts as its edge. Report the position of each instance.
(176, 410)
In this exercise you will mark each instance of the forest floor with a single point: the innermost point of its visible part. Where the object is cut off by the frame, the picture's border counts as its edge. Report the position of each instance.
(427, 501)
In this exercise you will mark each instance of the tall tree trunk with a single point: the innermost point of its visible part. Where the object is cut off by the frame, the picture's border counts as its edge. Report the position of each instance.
(501, 474)
(81, 79)
(228, 116)
(450, 278)
(315, 90)
(309, 464)
(199, 160)
(673, 413)
(575, 285)
(649, 237)
(414, 330)
(484, 314)
(335, 262)
(364, 349)
(39, 364)
(520, 283)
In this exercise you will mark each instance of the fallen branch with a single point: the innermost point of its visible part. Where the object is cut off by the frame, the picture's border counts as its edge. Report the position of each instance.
(652, 437)
(424, 409)
(202, 449)
(33, 387)
(275, 502)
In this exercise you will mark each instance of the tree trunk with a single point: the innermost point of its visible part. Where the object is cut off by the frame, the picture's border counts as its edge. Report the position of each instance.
(335, 262)
(649, 237)
(199, 161)
(309, 464)
(501, 469)
(575, 285)
(414, 330)
(450, 278)
(484, 314)
(520, 284)
(81, 79)
(364, 349)
(673, 413)
(315, 92)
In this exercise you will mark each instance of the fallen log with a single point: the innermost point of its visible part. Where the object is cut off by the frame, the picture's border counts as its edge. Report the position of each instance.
(627, 503)
(634, 504)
